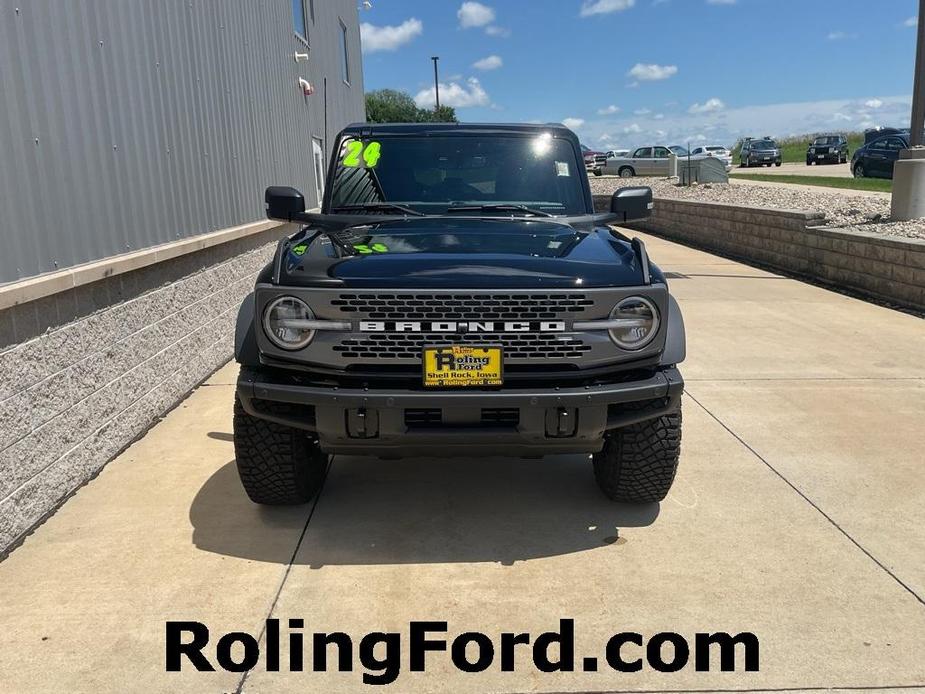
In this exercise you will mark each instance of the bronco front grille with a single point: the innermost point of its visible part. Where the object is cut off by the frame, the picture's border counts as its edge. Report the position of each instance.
(411, 345)
(435, 307)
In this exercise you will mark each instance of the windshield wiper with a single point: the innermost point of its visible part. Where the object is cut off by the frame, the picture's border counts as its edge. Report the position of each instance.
(499, 208)
(379, 206)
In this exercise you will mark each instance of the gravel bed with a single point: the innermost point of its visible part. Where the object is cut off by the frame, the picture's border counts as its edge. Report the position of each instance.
(842, 209)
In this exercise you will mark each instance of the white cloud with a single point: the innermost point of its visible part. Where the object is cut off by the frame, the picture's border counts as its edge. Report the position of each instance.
(389, 38)
(632, 129)
(592, 7)
(573, 123)
(911, 22)
(492, 62)
(709, 106)
(873, 103)
(652, 72)
(455, 94)
(608, 110)
(840, 117)
(475, 14)
(840, 36)
(642, 112)
(659, 116)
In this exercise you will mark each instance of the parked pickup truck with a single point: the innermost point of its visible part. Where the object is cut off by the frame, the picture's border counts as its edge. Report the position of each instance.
(457, 295)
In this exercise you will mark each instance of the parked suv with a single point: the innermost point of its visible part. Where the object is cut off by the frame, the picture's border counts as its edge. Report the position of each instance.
(828, 149)
(877, 158)
(763, 152)
(457, 295)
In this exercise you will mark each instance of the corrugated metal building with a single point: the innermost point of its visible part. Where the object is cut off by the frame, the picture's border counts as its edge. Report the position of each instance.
(136, 140)
(130, 123)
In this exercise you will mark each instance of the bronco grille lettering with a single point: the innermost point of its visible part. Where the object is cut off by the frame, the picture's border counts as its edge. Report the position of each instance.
(548, 326)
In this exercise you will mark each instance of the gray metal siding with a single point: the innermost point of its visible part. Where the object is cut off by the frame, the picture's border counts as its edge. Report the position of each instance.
(129, 123)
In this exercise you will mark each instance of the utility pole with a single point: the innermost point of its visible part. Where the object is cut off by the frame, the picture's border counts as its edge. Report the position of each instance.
(909, 171)
(435, 58)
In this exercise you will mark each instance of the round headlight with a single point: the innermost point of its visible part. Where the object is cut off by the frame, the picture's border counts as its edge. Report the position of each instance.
(638, 323)
(286, 323)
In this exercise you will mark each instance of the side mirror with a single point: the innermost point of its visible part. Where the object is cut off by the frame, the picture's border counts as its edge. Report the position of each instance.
(284, 203)
(632, 203)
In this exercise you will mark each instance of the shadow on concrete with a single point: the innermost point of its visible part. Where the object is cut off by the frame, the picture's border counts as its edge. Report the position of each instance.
(220, 436)
(424, 510)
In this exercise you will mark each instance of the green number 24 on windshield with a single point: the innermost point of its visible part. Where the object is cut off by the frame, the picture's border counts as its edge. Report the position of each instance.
(359, 154)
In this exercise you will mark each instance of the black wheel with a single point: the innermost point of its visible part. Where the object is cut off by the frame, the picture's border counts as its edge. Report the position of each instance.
(809, 163)
(777, 163)
(597, 172)
(743, 164)
(859, 170)
(638, 463)
(278, 465)
(627, 172)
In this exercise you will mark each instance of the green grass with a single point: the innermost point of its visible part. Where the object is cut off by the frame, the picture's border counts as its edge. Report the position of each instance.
(882, 185)
(793, 149)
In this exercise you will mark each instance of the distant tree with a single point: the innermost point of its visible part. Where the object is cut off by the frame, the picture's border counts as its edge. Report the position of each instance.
(393, 106)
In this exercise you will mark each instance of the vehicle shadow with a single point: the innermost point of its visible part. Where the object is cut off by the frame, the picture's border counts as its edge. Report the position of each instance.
(425, 510)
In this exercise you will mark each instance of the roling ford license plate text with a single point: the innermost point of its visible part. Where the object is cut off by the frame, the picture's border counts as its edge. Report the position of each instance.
(462, 366)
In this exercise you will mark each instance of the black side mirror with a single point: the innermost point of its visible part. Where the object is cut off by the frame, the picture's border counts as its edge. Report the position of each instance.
(284, 203)
(632, 203)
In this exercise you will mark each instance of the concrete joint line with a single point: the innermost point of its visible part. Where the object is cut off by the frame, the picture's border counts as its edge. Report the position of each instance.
(790, 484)
(240, 688)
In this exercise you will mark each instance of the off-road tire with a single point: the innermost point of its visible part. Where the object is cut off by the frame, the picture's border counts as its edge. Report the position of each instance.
(638, 463)
(278, 465)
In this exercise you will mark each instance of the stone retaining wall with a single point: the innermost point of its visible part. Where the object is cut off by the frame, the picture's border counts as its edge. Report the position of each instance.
(84, 372)
(885, 268)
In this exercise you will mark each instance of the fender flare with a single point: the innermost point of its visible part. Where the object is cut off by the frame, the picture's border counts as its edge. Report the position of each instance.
(246, 352)
(675, 340)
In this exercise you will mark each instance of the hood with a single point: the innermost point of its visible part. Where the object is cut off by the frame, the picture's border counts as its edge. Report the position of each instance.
(460, 252)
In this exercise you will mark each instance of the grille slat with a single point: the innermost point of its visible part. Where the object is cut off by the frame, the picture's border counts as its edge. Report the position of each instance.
(411, 345)
(463, 306)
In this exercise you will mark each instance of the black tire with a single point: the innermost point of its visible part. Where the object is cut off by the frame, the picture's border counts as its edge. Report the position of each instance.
(809, 163)
(776, 163)
(278, 465)
(638, 463)
(626, 172)
(597, 172)
(743, 164)
(858, 170)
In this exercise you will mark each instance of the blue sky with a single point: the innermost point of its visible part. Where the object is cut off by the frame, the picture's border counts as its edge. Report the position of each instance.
(627, 72)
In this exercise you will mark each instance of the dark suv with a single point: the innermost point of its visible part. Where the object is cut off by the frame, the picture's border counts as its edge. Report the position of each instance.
(763, 152)
(457, 295)
(828, 149)
(876, 158)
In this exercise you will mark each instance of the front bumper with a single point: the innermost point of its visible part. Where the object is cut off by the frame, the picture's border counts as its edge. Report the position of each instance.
(401, 423)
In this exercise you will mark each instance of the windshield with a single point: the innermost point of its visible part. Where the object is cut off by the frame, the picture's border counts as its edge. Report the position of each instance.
(826, 141)
(716, 149)
(764, 144)
(433, 173)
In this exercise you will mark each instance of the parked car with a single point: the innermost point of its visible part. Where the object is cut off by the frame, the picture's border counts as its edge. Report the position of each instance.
(440, 306)
(601, 164)
(644, 161)
(594, 160)
(714, 151)
(828, 149)
(759, 152)
(876, 158)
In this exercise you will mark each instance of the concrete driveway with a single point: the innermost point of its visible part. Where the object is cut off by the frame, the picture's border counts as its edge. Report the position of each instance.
(797, 515)
(800, 169)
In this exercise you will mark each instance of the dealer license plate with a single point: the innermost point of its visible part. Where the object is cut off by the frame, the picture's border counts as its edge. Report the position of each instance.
(462, 366)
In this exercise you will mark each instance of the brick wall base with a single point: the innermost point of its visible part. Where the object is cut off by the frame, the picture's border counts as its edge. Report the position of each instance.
(86, 371)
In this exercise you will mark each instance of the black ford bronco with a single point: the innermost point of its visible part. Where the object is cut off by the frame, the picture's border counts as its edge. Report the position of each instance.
(457, 295)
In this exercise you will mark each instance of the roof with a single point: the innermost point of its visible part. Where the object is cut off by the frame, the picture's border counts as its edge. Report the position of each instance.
(556, 129)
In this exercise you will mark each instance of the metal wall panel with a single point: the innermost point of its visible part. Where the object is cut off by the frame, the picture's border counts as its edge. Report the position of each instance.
(129, 123)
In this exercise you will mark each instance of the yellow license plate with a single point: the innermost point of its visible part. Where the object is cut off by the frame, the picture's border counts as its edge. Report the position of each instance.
(462, 366)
